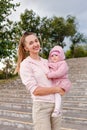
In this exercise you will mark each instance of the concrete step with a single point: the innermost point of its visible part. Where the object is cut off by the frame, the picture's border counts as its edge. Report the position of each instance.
(16, 105)
(17, 114)
(78, 88)
(78, 93)
(75, 98)
(82, 81)
(12, 91)
(29, 101)
(16, 109)
(74, 76)
(75, 114)
(20, 123)
(16, 123)
(23, 102)
(77, 105)
(75, 86)
(15, 100)
(18, 117)
(22, 112)
(12, 84)
(29, 105)
(74, 126)
(80, 121)
(79, 85)
(5, 127)
(18, 95)
(26, 124)
(74, 109)
(70, 97)
(28, 115)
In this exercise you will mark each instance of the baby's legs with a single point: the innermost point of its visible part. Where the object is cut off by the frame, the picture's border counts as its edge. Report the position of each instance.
(57, 108)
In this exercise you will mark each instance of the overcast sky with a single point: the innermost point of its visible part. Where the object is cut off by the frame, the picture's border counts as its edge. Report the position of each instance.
(59, 8)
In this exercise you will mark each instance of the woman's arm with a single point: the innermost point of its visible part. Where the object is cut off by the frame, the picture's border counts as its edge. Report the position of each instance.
(40, 91)
(30, 82)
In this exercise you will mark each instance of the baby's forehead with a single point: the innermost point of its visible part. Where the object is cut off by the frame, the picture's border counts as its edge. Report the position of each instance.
(54, 55)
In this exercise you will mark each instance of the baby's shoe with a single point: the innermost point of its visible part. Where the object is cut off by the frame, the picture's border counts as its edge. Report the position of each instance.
(56, 114)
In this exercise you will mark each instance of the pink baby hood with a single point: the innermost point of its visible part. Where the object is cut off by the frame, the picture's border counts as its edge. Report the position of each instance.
(59, 51)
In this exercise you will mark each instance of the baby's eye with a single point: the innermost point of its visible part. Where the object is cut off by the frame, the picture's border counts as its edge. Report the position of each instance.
(54, 55)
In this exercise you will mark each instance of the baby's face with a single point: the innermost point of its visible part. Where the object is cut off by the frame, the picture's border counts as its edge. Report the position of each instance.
(54, 58)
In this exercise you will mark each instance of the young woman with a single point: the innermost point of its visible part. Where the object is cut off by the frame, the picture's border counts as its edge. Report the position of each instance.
(32, 69)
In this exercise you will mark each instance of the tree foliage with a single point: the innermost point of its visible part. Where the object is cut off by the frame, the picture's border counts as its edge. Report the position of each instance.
(62, 28)
(29, 21)
(51, 31)
(78, 38)
(79, 51)
(6, 25)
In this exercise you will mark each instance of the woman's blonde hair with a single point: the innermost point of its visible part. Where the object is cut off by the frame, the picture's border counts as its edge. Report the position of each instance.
(21, 51)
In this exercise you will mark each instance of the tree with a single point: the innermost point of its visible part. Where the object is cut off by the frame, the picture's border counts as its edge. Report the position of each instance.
(6, 25)
(78, 38)
(29, 21)
(51, 31)
(55, 30)
(79, 51)
(62, 28)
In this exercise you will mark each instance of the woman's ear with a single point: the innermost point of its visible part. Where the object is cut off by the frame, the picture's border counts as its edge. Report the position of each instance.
(25, 48)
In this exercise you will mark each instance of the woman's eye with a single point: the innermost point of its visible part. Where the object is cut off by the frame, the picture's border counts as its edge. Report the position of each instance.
(30, 43)
(36, 40)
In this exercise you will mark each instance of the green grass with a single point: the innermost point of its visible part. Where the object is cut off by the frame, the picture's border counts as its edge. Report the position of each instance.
(4, 81)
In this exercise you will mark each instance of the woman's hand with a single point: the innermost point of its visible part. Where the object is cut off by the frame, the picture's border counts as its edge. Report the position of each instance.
(41, 91)
(61, 91)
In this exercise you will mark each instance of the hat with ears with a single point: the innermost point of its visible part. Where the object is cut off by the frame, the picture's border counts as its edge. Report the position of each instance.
(55, 52)
(58, 50)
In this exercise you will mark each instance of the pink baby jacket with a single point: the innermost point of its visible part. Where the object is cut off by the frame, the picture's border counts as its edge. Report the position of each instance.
(59, 70)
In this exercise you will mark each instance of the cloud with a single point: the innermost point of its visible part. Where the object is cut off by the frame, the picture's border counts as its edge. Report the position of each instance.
(59, 8)
(55, 7)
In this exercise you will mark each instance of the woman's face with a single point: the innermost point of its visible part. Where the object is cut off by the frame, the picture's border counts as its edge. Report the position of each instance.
(32, 44)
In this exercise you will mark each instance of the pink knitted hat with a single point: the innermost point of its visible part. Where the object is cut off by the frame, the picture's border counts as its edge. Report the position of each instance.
(58, 50)
(55, 52)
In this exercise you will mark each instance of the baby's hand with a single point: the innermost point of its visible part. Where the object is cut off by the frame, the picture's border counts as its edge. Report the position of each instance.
(47, 75)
